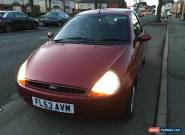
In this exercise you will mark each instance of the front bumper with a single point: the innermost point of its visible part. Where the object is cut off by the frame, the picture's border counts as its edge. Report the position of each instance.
(85, 106)
(1, 26)
(49, 22)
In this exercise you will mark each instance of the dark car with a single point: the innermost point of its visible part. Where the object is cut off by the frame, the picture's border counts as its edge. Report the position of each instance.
(12, 20)
(89, 68)
(55, 18)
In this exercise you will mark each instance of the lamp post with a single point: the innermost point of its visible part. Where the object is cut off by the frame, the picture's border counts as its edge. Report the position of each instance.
(23, 6)
(78, 5)
(183, 10)
(78, 1)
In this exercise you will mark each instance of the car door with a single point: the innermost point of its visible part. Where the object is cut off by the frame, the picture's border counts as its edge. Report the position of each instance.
(25, 20)
(11, 18)
(21, 19)
(137, 44)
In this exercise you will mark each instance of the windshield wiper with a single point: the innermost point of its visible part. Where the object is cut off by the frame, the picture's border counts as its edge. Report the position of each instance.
(113, 39)
(74, 39)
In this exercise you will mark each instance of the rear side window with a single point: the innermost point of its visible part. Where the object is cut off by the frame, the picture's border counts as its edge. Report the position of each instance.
(10, 15)
(1, 14)
(66, 15)
(19, 15)
(52, 14)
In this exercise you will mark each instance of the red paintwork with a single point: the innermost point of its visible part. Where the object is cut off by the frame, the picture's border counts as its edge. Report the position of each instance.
(81, 66)
(72, 64)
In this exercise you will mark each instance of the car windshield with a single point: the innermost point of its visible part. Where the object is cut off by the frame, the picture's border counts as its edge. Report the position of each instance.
(52, 14)
(95, 29)
(1, 14)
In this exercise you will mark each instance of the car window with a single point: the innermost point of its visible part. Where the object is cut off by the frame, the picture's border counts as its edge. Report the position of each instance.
(19, 15)
(1, 14)
(52, 14)
(10, 15)
(66, 15)
(96, 28)
(62, 15)
(136, 25)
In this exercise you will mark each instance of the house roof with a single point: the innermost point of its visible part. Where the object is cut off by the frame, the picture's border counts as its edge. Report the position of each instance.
(102, 1)
(123, 11)
(92, 1)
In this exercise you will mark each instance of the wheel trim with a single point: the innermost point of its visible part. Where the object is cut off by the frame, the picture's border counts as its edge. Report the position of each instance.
(8, 28)
(34, 26)
(60, 24)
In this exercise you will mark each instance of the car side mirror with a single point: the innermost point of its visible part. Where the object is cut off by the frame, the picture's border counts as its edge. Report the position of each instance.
(145, 37)
(50, 35)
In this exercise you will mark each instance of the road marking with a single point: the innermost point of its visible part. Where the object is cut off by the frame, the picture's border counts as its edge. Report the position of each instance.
(1, 110)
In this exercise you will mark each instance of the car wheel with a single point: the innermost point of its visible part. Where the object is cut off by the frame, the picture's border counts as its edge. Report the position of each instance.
(130, 106)
(8, 28)
(59, 24)
(46, 25)
(34, 26)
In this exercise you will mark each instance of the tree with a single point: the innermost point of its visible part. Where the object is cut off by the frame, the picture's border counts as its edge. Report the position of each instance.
(98, 4)
(23, 6)
(46, 5)
(49, 5)
(159, 8)
(31, 6)
(64, 5)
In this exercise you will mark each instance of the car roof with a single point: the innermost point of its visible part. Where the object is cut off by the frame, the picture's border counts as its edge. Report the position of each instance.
(2, 11)
(124, 11)
(57, 12)
(8, 11)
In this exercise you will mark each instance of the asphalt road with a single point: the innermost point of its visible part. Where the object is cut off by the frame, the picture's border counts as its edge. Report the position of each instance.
(18, 118)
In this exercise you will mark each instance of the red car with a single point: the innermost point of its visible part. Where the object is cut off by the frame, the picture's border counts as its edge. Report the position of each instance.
(89, 67)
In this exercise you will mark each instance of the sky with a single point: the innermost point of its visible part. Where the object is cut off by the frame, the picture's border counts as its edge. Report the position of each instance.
(149, 2)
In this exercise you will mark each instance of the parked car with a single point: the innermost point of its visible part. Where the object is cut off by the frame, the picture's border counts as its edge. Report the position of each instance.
(141, 13)
(12, 20)
(54, 18)
(164, 16)
(89, 67)
(169, 13)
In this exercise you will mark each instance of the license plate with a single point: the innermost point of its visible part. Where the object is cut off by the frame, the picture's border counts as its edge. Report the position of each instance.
(54, 106)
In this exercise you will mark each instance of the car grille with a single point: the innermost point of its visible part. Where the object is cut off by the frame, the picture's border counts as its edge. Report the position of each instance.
(54, 87)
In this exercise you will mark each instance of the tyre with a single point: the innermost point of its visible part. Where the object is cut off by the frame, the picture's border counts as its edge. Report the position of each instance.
(34, 26)
(8, 28)
(46, 25)
(60, 24)
(130, 105)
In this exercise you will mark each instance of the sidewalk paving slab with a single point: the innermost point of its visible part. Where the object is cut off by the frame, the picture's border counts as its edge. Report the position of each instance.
(176, 75)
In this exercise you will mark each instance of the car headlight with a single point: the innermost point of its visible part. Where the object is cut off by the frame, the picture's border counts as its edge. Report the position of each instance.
(108, 84)
(21, 77)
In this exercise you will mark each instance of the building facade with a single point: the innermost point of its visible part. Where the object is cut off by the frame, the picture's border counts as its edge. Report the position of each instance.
(20, 5)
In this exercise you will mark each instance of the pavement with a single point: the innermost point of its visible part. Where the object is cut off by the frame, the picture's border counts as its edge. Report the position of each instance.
(171, 110)
(176, 74)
